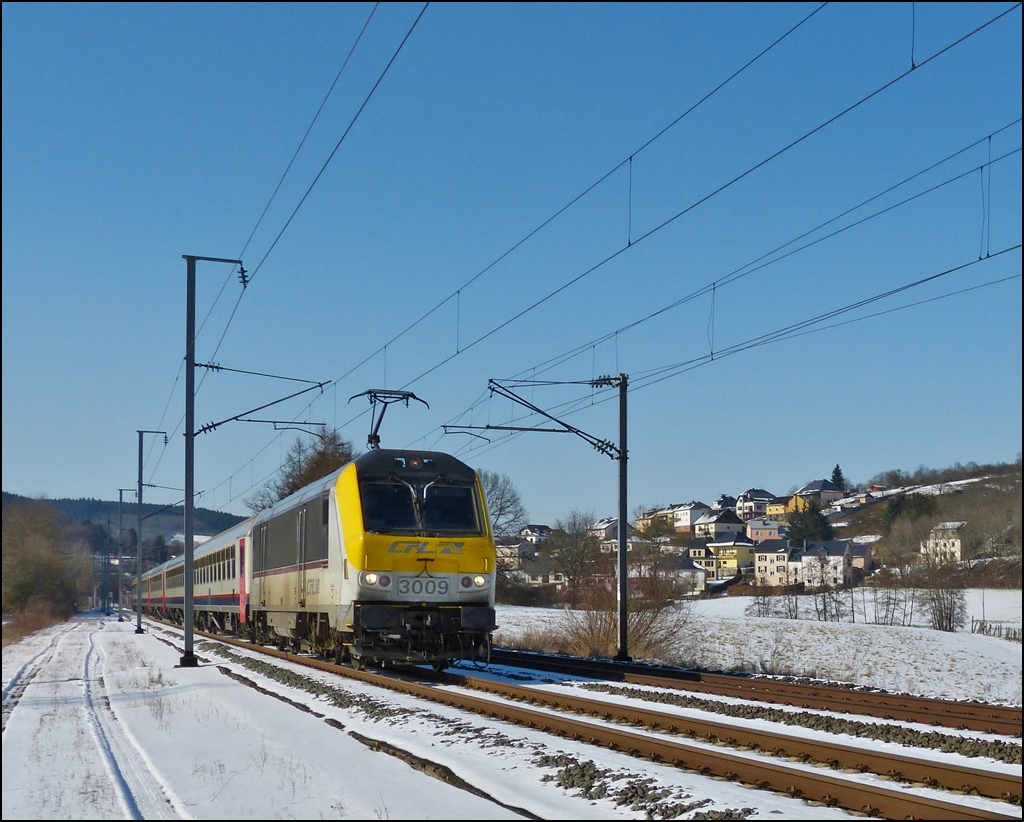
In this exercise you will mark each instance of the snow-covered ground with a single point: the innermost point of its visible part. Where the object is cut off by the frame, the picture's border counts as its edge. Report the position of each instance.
(108, 727)
(721, 636)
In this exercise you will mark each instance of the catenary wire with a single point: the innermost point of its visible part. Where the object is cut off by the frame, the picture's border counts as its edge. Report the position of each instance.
(564, 208)
(762, 261)
(311, 186)
(803, 328)
(731, 182)
(651, 232)
(739, 272)
(582, 194)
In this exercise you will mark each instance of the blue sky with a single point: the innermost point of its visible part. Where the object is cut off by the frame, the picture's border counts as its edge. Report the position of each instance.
(136, 133)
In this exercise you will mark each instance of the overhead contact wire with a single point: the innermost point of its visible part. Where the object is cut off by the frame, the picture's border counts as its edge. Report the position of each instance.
(802, 328)
(584, 193)
(714, 193)
(273, 195)
(234, 310)
(752, 267)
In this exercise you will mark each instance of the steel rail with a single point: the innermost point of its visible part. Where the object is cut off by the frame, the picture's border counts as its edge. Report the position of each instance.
(801, 781)
(994, 719)
(894, 765)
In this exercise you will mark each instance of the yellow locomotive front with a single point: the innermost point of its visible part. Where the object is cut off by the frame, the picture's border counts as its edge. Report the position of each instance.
(419, 559)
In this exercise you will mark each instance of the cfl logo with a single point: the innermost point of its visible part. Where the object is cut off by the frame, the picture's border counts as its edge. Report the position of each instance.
(406, 547)
(425, 548)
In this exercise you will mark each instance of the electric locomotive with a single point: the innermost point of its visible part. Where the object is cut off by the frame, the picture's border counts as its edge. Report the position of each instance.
(389, 559)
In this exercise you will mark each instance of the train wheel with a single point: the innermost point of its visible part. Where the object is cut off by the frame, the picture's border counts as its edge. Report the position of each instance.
(440, 664)
(482, 654)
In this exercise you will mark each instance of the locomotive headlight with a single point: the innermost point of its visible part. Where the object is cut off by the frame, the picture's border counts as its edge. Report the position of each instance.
(372, 579)
(478, 581)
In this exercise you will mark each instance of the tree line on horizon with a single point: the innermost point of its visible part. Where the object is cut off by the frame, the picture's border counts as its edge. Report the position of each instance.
(48, 555)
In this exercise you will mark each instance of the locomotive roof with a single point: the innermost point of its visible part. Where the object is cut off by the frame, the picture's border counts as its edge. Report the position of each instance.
(378, 464)
(410, 465)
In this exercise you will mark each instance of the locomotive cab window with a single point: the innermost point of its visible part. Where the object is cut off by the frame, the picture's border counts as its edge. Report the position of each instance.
(450, 509)
(387, 507)
(431, 508)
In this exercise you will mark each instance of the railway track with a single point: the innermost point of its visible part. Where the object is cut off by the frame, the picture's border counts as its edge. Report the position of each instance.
(993, 719)
(767, 760)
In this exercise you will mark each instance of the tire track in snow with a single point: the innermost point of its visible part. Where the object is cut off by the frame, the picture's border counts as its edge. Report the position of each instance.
(141, 791)
(15, 687)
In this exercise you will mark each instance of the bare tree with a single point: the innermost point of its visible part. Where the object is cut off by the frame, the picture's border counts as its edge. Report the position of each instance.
(655, 622)
(896, 595)
(791, 603)
(892, 595)
(574, 549)
(945, 599)
(304, 463)
(827, 602)
(45, 565)
(762, 601)
(504, 505)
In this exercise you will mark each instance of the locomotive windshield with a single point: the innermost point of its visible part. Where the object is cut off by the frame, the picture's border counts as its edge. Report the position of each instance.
(433, 508)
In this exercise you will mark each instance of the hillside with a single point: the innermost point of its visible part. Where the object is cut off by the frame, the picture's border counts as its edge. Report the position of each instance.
(158, 520)
(994, 497)
(990, 504)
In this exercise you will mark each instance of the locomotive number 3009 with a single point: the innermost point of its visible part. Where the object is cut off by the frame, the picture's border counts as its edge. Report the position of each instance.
(423, 587)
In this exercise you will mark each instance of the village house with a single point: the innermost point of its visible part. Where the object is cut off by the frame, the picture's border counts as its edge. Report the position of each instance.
(535, 534)
(606, 529)
(795, 565)
(511, 554)
(771, 563)
(704, 557)
(862, 557)
(777, 509)
(753, 503)
(541, 572)
(759, 530)
(735, 555)
(717, 524)
(724, 501)
(687, 576)
(686, 514)
(945, 542)
(827, 564)
(611, 546)
(822, 492)
(853, 502)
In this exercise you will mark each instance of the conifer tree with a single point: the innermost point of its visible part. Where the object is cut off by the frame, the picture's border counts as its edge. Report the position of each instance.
(808, 525)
